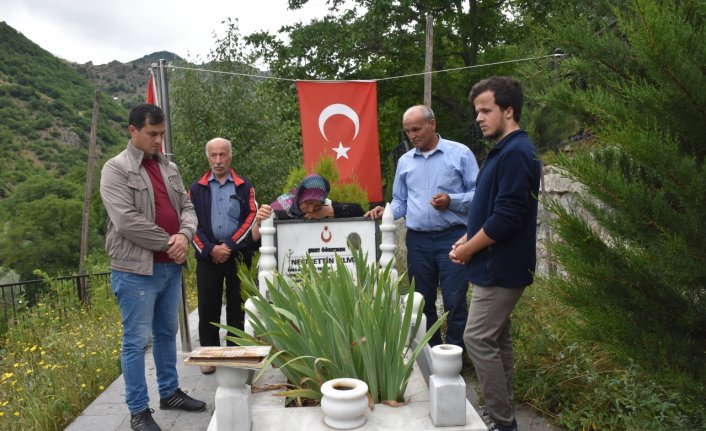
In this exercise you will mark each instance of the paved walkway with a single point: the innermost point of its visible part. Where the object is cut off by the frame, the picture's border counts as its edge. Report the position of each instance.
(527, 418)
(109, 413)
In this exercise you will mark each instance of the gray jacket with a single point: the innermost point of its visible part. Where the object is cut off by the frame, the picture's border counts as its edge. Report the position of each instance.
(128, 197)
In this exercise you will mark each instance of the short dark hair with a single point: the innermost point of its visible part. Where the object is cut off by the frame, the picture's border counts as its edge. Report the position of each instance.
(507, 91)
(140, 114)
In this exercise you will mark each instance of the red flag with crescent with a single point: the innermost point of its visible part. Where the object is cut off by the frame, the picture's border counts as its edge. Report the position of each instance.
(151, 91)
(339, 119)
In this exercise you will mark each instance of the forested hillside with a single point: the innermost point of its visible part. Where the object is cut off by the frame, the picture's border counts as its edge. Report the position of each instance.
(45, 121)
(45, 113)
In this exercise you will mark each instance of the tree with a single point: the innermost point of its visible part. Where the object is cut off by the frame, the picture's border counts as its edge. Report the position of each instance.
(42, 227)
(639, 86)
(43, 234)
(259, 120)
(381, 39)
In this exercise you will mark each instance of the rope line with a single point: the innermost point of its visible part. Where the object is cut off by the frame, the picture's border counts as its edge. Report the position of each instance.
(231, 73)
(196, 69)
(473, 67)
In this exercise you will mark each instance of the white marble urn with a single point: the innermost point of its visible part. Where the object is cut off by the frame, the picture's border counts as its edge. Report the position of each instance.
(446, 360)
(344, 403)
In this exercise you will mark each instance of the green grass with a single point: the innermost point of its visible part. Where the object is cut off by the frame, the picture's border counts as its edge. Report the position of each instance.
(54, 364)
(585, 386)
(56, 361)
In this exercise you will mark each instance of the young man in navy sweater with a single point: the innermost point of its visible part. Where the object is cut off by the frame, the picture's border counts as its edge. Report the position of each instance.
(499, 248)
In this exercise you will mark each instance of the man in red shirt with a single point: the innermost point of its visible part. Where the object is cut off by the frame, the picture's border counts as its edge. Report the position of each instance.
(150, 224)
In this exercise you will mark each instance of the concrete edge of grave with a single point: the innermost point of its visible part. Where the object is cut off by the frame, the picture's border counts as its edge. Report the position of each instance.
(269, 412)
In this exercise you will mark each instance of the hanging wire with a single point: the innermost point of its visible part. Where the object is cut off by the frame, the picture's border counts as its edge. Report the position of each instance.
(231, 73)
(472, 67)
(379, 79)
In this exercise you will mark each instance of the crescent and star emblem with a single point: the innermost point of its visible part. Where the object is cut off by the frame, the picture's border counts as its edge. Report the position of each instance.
(346, 111)
(326, 234)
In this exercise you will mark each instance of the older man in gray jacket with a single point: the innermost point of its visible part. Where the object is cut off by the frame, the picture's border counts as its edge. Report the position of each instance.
(151, 221)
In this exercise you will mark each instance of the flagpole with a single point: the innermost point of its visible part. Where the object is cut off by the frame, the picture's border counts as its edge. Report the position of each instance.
(428, 58)
(163, 87)
(164, 98)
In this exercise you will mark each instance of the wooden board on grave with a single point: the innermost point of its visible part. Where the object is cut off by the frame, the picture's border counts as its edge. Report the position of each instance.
(252, 357)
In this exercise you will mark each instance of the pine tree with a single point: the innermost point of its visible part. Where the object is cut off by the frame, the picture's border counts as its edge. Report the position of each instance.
(638, 84)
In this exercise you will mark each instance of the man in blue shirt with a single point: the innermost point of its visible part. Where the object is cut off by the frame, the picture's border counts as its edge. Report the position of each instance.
(499, 248)
(225, 206)
(433, 188)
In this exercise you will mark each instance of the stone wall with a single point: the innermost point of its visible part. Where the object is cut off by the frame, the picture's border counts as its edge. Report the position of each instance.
(556, 186)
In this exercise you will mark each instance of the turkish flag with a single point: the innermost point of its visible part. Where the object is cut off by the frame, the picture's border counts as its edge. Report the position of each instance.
(151, 91)
(152, 98)
(340, 119)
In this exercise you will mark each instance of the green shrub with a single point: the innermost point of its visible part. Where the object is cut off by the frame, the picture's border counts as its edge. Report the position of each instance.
(583, 385)
(632, 246)
(329, 324)
(349, 192)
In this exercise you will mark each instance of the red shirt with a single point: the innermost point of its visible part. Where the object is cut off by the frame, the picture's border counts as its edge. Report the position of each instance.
(165, 214)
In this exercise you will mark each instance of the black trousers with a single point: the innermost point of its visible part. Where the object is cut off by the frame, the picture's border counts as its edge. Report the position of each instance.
(210, 278)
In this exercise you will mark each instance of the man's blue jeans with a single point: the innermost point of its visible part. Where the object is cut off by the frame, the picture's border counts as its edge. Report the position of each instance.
(149, 305)
(429, 265)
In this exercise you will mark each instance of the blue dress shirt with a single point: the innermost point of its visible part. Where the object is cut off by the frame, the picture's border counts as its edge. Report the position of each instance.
(225, 208)
(450, 168)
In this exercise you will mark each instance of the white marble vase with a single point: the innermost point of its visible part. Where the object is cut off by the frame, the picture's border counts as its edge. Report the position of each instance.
(446, 360)
(344, 403)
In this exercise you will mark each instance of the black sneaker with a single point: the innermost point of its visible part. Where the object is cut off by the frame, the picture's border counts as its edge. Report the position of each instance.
(142, 421)
(494, 426)
(485, 416)
(180, 401)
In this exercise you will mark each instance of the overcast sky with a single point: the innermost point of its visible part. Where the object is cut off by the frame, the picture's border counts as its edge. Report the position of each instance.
(105, 30)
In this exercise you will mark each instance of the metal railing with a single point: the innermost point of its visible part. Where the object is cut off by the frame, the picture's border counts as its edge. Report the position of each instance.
(17, 298)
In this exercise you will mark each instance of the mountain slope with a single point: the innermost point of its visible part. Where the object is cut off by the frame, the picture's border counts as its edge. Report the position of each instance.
(126, 83)
(45, 114)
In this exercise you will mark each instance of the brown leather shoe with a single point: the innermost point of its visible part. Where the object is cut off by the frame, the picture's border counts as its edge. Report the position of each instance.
(207, 369)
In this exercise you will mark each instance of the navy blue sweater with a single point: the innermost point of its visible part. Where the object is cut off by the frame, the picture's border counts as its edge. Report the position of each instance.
(505, 206)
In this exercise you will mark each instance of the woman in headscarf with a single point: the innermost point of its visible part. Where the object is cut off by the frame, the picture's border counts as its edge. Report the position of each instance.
(309, 200)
